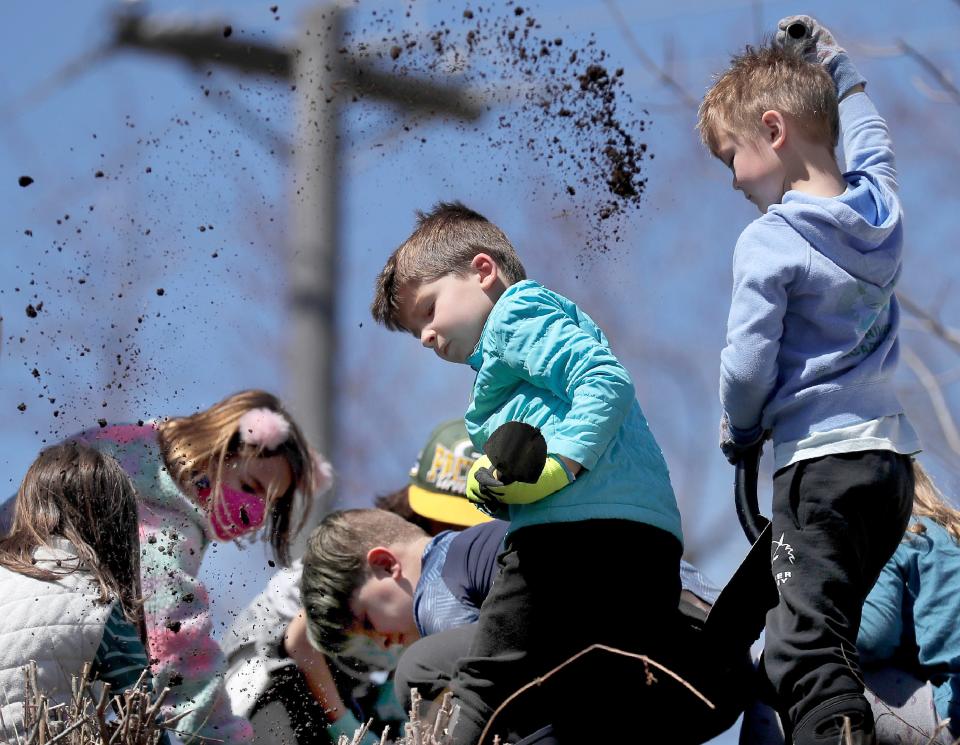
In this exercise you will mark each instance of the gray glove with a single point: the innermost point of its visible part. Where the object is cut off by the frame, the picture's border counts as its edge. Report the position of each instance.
(735, 443)
(815, 43)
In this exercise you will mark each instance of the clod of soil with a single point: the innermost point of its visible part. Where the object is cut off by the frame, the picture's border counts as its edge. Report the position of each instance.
(565, 108)
(25, 181)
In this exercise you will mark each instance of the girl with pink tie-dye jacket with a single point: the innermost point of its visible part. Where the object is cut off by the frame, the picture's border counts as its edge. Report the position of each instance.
(217, 475)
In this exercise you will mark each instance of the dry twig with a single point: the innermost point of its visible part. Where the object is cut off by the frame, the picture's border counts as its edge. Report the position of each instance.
(661, 74)
(940, 407)
(947, 86)
(84, 719)
(647, 663)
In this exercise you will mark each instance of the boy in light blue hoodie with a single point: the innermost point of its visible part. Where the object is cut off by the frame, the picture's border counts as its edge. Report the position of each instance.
(811, 350)
(604, 495)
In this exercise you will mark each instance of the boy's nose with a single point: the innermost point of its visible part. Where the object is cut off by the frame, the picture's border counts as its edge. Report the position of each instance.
(428, 337)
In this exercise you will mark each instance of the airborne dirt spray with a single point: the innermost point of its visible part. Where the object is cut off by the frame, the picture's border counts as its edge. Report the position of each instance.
(118, 265)
(566, 103)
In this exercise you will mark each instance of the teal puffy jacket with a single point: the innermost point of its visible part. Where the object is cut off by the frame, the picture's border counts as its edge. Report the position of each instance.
(543, 361)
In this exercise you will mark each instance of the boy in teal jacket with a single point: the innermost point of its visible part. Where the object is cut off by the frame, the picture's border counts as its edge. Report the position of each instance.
(458, 286)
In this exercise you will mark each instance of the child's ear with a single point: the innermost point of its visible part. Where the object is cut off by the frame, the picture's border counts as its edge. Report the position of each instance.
(486, 267)
(774, 128)
(383, 561)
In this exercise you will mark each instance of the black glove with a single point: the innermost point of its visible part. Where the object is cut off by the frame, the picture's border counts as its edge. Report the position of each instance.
(482, 487)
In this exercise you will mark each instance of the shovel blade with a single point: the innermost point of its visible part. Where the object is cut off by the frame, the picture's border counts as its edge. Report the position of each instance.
(740, 613)
(517, 451)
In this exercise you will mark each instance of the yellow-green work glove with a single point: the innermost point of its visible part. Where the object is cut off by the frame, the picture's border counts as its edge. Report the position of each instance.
(480, 479)
(483, 487)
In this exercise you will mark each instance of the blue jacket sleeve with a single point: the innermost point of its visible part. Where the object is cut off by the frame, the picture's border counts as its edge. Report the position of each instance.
(866, 138)
(881, 626)
(769, 256)
(543, 345)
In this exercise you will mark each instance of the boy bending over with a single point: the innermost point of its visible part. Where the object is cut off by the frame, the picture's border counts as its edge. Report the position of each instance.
(603, 503)
(368, 572)
(811, 350)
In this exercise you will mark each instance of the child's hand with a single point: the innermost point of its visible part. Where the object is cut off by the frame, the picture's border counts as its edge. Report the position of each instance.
(482, 486)
(735, 443)
(347, 726)
(815, 42)
(554, 476)
(805, 35)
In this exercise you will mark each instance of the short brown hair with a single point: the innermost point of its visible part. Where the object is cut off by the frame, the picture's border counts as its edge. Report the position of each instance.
(770, 78)
(335, 565)
(444, 242)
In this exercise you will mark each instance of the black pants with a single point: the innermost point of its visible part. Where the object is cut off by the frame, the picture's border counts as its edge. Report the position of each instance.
(724, 675)
(561, 588)
(836, 521)
(429, 664)
(304, 722)
(286, 712)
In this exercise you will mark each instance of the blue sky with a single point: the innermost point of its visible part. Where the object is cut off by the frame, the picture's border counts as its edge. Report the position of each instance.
(188, 173)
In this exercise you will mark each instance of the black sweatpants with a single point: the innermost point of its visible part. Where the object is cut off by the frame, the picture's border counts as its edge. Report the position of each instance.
(725, 675)
(429, 663)
(286, 713)
(561, 588)
(836, 521)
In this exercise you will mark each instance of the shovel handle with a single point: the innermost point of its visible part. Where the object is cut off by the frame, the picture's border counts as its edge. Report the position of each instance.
(745, 494)
(798, 31)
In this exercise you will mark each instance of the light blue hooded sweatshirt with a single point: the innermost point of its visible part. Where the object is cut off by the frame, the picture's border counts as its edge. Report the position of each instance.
(812, 332)
(543, 361)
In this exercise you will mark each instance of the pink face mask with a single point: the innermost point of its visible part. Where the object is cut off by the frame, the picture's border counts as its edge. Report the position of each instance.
(236, 513)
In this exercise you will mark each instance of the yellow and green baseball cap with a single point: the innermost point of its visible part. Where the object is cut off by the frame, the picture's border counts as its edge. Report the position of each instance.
(438, 480)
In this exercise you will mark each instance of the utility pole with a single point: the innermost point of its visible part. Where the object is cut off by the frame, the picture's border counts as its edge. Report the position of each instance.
(316, 237)
(323, 74)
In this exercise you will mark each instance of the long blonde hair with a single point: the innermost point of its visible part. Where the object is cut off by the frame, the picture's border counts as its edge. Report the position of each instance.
(201, 443)
(930, 503)
(75, 492)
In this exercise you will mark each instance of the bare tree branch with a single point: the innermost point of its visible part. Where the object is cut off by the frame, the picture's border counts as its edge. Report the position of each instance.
(930, 323)
(936, 95)
(757, 12)
(942, 78)
(67, 72)
(940, 408)
(647, 61)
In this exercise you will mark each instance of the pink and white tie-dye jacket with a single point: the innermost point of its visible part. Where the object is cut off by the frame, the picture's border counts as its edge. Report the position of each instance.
(174, 534)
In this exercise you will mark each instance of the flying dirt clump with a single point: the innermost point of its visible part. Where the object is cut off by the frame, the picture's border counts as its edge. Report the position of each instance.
(557, 103)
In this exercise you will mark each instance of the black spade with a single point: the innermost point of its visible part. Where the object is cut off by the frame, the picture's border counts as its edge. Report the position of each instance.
(518, 452)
